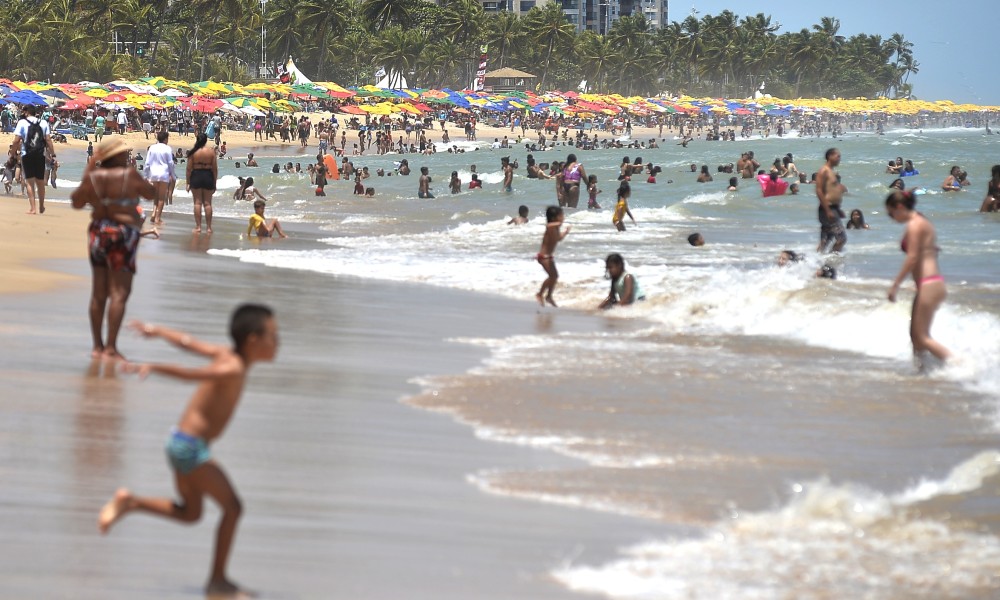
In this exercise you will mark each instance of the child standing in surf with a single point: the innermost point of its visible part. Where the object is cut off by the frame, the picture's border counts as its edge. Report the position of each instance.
(546, 256)
(621, 208)
(196, 474)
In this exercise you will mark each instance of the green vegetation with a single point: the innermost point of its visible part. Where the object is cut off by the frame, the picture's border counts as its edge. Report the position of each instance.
(436, 46)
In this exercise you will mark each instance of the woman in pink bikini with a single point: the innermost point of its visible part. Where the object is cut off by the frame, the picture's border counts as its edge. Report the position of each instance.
(920, 245)
(573, 175)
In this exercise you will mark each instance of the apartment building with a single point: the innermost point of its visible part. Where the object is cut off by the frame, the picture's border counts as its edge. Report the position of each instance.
(593, 15)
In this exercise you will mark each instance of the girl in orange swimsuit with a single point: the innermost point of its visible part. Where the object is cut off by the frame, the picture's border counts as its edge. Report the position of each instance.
(920, 245)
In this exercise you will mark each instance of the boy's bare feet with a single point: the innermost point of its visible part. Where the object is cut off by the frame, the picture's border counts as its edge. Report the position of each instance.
(225, 588)
(541, 301)
(97, 352)
(550, 300)
(113, 510)
(41, 209)
(209, 231)
(196, 230)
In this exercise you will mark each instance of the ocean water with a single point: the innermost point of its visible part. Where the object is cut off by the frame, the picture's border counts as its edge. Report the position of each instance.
(776, 419)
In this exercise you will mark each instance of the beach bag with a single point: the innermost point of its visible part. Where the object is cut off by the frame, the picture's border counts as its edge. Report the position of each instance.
(34, 143)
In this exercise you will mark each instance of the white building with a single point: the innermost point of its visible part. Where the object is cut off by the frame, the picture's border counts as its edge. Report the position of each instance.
(593, 15)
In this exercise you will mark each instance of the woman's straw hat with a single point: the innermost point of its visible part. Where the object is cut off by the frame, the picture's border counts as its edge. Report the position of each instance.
(110, 147)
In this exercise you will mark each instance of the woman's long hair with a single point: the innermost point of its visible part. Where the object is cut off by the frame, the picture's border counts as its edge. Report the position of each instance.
(199, 143)
(613, 259)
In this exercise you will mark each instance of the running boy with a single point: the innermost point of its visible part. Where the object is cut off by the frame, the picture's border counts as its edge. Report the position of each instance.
(546, 256)
(255, 338)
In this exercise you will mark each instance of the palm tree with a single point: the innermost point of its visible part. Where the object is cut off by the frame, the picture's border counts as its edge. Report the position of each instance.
(503, 31)
(691, 45)
(398, 50)
(381, 14)
(319, 19)
(463, 24)
(551, 29)
(96, 67)
(60, 34)
(355, 50)
(238, 33)
(663, 60)
(826, 42)
(903, 50)
(597, 55)
(802, 56)
(283, 32)
(438, 64)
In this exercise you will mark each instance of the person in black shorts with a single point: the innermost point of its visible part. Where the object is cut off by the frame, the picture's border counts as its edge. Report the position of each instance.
(202, 173)
(32, 155)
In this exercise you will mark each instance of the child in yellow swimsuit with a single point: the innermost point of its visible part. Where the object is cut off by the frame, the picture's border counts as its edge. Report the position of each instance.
(621, 209)
(260, 225)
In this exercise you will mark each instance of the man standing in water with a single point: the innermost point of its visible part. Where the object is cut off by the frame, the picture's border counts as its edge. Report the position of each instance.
(424, 185)
(508, 174)
(829, 191)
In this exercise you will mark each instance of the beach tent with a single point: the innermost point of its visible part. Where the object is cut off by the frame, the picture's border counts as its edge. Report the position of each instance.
(392, 80)
(295, 76)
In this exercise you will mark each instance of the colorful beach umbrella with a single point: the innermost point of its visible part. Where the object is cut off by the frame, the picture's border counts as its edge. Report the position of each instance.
(27, 97)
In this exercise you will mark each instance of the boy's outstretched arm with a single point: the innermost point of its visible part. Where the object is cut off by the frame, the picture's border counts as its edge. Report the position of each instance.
(220, 369)
(178, 338)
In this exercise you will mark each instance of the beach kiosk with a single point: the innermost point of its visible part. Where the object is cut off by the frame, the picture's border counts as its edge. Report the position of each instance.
(509, 80)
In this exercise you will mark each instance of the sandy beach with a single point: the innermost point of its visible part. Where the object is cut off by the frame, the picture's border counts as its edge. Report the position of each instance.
(33, 239)
(367, 455)
(349, 493)
(239, 141)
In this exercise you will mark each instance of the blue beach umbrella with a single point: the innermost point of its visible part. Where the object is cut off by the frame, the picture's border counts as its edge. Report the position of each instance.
(54, 93)
(27, 97)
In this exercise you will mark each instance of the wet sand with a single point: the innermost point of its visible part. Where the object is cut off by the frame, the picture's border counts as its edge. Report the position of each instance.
(29, 239)
(348, 492)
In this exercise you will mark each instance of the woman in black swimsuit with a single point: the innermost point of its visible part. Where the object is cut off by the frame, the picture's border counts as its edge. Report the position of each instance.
(202, 173)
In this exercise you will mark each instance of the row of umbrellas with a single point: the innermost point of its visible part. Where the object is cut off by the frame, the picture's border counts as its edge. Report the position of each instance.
(258, 98)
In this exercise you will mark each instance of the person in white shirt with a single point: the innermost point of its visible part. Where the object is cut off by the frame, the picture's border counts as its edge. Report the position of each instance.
(121, 122)
(159, 170)
(31, 148)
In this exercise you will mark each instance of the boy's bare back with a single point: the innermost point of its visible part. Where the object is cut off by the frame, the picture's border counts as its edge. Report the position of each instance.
(552, 237)
(196, 474)
(214, 401)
